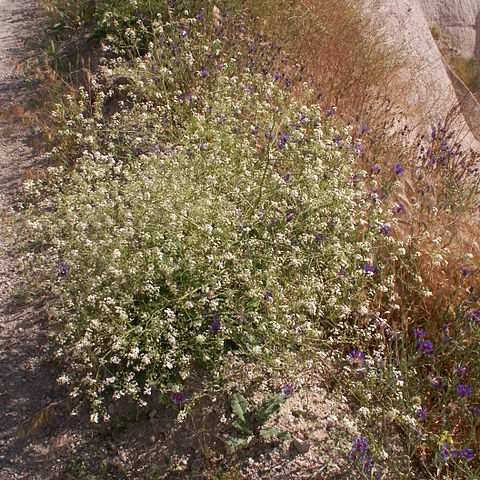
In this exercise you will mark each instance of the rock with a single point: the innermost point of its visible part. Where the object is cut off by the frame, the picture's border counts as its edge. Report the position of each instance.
(459, 22)
(426, 92)
(302, 446)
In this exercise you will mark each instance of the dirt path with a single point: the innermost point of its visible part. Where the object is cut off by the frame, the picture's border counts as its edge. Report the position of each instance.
(25, 384)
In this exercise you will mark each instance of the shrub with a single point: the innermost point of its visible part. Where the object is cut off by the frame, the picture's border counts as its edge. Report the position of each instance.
(199, 224)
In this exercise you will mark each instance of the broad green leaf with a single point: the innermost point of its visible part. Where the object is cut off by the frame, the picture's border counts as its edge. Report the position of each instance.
(239, 405)
(235, 444)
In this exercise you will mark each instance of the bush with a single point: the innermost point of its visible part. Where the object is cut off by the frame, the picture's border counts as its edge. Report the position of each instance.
(199, 225)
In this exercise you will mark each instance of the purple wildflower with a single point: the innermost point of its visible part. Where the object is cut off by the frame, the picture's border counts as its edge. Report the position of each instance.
(63, 270)
(289, 389)
(215, 327)
(422, 413)
(476, 411)
(356, 356)
(330, 112)
(446, 452)
(385, 230)
(474, 315)
(398, 168)
(466, 271)
(178, 398)
(204, 73)
(419, 332)
(466, 453)
(425, 346)
(461, 371)
(267, 296)
(399, 208)
(464, 390)
(359, 149)
(288, 217)
(360, 444)
(364, 129)
(368, 464)
(370, 268)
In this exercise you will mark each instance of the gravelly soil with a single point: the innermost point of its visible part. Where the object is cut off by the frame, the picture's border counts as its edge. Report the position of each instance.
(25, 384)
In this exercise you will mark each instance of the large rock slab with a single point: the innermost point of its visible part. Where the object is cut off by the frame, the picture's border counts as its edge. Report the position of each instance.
(425, 89)
(459, 22)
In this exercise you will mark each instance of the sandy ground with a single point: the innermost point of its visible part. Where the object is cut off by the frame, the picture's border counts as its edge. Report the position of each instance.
(25, 385)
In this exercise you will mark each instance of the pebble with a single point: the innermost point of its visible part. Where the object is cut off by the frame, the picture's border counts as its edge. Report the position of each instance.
(302, 446)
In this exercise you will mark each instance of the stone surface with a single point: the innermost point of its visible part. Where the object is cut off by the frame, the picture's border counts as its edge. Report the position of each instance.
(425, 90)
(459, 22)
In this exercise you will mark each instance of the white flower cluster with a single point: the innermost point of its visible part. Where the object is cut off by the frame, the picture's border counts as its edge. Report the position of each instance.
(207, 215)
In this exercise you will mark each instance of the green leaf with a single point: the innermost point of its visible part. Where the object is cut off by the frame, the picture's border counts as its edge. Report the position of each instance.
(235, 444)
(267, 433)
(241, 426)
(283, 436)
(239, 406)
(269, 406)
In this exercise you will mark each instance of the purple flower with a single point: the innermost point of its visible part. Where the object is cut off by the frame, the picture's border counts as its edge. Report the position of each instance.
(434, 382)
(215, 327)
(398, 168)
(356, 356)
(419, 332)
(63, 270)
(399, 208)
(368, 464)
(178, 398)
(359, 149)
(364, 129)
(267, 296)
(288, 217)
(474, 315)
(330, 112)
(204, 73)
(360, 444)
(464, 390)
(466, 453)
(277, 76)
(283, 140)
(461, 371)
(374, 169)
(425, 346)
(447, 453)
(422, 413)
(476, 411)
(385, 230)
(466, 271)
(289, 389)
(370, 268)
